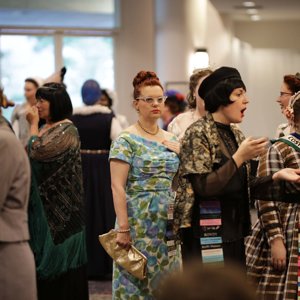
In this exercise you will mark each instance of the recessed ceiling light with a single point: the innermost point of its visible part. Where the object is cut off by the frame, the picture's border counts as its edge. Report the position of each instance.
(255, 18)
(252, 6)
(248, 3)
(252, 11)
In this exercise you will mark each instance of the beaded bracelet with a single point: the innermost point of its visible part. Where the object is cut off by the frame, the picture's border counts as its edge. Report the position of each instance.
(123, 230)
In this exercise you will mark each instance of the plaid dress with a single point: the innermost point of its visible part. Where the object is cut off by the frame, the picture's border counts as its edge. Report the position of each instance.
(276, 219)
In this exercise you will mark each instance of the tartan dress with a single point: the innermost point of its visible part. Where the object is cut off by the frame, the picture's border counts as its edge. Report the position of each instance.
(276, 219)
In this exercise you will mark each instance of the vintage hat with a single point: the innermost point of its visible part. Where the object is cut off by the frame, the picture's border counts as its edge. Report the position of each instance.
(91, 92)
(57, 76)
(217, 76)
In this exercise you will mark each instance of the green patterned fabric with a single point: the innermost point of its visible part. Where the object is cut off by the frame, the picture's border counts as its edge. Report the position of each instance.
(56, 205)
(148, 195)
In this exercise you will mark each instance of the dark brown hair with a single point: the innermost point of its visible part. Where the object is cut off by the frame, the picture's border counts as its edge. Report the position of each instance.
(197, 282)
(194, 79)
(293, 82)
(60, 103)
(33, 81)
(144, 78)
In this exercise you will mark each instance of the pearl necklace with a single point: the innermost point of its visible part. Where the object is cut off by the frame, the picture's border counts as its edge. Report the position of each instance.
(147, 131)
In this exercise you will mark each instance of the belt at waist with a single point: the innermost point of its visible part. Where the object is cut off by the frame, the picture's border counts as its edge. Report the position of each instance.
(90, 151)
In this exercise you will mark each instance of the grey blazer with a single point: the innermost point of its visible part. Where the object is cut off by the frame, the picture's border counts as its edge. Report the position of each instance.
(17, 276)
(14, 187)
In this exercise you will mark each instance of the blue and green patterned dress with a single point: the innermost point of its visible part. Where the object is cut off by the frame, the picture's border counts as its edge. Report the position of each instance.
(149, 199)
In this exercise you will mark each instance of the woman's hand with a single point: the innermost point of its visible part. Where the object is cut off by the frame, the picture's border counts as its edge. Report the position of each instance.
(249, 149)
(172, 145)
(278, 254)
(288, 174)
(32, 115)
(124, 240)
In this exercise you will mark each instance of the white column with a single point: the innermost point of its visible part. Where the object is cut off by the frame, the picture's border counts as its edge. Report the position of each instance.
(180, 29)
(134, 49)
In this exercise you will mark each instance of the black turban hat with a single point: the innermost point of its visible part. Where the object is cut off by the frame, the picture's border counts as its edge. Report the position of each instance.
(216, 88)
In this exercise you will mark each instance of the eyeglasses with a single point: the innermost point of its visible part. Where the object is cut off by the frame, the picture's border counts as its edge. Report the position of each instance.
(285, 93)
(151, 100)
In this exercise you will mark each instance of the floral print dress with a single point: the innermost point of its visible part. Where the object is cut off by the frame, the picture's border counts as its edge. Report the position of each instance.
(149, 204)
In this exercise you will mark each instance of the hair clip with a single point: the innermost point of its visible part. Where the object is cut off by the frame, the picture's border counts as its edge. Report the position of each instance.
(297, 75)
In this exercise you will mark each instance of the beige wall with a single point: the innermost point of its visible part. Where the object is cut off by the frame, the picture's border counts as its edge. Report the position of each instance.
(271, 50)
(134, 50)
(218, 38)
(161, 35)
(266, 70)
(269, 34)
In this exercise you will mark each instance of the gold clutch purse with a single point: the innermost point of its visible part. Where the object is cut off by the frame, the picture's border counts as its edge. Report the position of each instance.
(132, 260)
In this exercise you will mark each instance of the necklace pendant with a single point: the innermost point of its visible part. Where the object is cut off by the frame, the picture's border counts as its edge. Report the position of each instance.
(147, 131)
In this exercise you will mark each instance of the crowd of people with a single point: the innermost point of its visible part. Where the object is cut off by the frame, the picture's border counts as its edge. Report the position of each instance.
(177, 184)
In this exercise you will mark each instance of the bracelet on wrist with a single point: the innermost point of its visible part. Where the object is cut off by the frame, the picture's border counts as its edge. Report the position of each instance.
(123, 230)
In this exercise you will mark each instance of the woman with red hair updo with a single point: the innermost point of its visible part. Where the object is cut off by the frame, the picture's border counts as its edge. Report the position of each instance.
(143, 162)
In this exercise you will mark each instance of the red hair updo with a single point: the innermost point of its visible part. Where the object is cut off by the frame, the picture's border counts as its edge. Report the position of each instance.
(144, 78)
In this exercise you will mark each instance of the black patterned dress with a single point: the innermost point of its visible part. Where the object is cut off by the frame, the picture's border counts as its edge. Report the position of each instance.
(56, 214)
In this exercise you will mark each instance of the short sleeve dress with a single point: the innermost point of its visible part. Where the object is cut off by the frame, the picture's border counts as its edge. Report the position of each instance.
(149, 204)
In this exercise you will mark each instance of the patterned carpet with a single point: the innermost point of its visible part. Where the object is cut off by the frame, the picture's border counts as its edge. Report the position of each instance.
(100, 290)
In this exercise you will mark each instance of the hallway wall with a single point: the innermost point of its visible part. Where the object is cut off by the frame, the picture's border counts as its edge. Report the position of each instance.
(161, 35)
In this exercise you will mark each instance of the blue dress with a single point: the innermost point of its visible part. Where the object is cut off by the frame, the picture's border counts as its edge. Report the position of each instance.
(149, 204)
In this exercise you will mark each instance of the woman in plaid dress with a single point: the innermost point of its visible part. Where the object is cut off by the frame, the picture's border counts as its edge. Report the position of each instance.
(272, 249)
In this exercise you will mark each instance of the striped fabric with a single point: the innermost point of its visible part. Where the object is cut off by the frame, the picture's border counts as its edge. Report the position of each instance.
(276, 219)
(210, 229)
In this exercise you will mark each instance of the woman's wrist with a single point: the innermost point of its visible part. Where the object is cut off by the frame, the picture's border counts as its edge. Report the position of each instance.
(277, 241)
(237, 159)
(34, 129)
(123, 230)
(34, 123)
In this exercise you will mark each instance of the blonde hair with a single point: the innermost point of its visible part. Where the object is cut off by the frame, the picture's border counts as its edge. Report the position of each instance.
(194, 79)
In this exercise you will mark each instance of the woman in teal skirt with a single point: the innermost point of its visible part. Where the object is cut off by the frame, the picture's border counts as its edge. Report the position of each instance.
(143, 161)
(56, 207)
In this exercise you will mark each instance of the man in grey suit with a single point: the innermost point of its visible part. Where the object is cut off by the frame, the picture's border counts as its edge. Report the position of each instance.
(17, 268)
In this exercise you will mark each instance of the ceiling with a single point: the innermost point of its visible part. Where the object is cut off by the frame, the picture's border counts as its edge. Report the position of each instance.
(268, 10)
